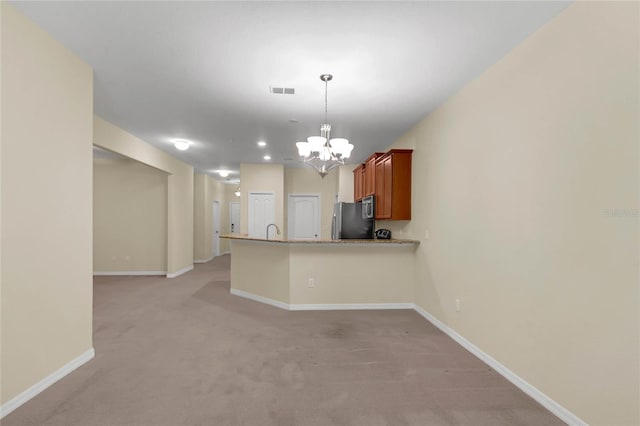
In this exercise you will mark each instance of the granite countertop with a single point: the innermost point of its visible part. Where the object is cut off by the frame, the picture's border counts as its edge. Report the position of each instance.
(370, 242)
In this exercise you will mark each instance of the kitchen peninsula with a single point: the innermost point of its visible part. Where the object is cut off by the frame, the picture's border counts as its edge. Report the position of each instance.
(316, 274)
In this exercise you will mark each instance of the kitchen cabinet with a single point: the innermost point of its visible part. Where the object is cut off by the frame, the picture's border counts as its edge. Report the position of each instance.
(364, 177)
(370, 174)
(393, 185)
(358, 182)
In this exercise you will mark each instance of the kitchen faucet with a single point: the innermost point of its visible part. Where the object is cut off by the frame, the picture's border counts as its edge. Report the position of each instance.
(270, 225)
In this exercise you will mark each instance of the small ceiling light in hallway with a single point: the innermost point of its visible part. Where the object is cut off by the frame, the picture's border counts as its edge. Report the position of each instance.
(181, 144)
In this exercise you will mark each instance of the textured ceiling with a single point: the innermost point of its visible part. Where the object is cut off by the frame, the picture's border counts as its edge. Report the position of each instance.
(202, 70)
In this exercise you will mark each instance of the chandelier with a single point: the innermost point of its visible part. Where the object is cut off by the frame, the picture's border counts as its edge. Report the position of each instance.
(321, 152)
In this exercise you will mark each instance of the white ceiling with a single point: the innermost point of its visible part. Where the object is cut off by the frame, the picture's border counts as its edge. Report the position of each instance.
(202, 70)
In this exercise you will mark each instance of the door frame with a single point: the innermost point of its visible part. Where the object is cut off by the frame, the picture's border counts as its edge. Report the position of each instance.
(290, 209)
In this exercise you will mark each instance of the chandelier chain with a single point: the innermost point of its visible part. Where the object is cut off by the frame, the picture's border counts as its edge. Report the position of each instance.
(326, 88)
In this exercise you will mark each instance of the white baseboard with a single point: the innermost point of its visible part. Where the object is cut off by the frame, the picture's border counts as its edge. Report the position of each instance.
(180, 272)
(319, 307)
(348, 306)
(548, 403)
(261, 299)
(34, 390)
(118, 273)
(211, 258)
(203, 260)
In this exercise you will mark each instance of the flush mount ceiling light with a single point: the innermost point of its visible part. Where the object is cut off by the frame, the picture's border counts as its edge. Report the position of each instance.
(267, 157)
(320, 152)
(237, 193)
(181, 144)
(262, 144)
(223, 173)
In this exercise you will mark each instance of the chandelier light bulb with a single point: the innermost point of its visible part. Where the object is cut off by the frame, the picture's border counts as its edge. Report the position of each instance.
(304, 148)
(346, 151)
(336, 142)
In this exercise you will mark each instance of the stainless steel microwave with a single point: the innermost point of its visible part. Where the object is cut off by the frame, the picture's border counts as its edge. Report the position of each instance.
(369, 207)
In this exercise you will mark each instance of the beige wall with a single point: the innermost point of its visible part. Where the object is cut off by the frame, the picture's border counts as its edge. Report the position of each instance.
(351, 274)
(343, 273)
(129, 216)
(307, 181)
(201, 219)
(249, 263)
(345, 183)
(513, 177)
(180, 188)
(257, 178)
(206, 191)
(46, 132)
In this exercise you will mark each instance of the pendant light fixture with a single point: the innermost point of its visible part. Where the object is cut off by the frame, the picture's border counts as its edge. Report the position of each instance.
(321, 152)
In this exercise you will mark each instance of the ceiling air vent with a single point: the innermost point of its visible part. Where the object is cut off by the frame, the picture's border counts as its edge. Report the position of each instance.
(282, 90)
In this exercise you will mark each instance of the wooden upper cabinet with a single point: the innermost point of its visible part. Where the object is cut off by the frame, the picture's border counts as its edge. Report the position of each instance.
(358, 182)
(382, 210)
(370, 174)
(393, 185)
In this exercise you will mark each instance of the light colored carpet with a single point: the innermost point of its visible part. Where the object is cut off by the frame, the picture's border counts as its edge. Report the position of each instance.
(184, 351)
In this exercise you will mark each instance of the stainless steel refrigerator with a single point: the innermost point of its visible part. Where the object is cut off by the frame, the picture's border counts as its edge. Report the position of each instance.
(349, 222)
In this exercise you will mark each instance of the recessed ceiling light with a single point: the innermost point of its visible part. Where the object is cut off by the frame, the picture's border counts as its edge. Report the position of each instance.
(267, 157)
(181, 144)
(223, 173)
(262, 144)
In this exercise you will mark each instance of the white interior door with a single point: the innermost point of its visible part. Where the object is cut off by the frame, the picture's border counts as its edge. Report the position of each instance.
(304, 217)
(234, 217)
(261, 212)
(216, 228)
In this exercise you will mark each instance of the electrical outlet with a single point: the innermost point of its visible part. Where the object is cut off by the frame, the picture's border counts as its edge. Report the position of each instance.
(458, 305)
(311, 282)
